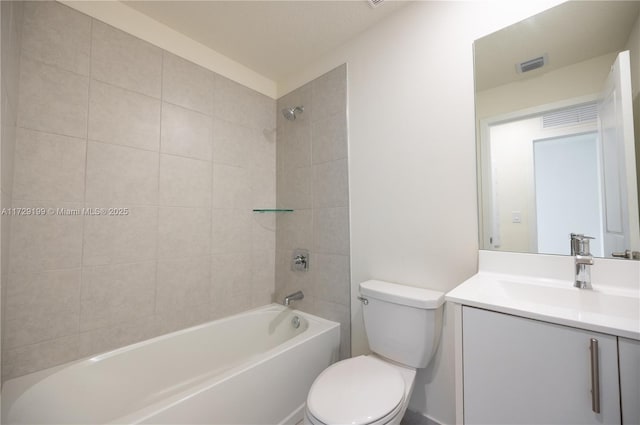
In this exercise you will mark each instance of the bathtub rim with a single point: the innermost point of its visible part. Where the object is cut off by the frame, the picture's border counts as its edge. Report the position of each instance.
(14, 388)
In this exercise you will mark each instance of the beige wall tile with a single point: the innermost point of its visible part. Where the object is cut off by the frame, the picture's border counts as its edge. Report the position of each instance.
(231, 143)
(115, 239)
(118, 175)
(184, 182)
(52, 99)
(41, 306)
(332, 279)
(294, 188)
(5, 236)
(183, 283)
(263, 272)
(263, 231)
(330, 184)
(48, 242)
(12, 23)
(126, 61)
(330, 94)
(231, 230)
(329, 139)
(295, 230)
(117, 293)
(22, 360)
(187, 84)
(263, 186)
(294, 145)
(234, 304)
(183, 232)
(337, 313)
(7, 148)
(57, 35)
(49, 167)
(106, 339)
(231, 273)
(331, 230)
(123, 117)
(231, 187)
(236, 103)
(174, 320)
(186, 133)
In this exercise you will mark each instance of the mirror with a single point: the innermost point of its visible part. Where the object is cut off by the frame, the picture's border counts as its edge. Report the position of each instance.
(556, 98)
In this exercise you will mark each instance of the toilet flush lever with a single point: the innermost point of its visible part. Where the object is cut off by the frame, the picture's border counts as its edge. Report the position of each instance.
(363, 300)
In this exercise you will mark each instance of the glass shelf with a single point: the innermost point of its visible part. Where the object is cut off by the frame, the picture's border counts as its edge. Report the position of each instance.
(271, 210)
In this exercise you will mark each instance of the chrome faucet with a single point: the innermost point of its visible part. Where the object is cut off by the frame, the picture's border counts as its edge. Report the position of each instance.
(580, 249)
(293, 297)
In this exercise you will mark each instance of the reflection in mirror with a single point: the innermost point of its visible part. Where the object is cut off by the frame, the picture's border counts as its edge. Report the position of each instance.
(555, 97)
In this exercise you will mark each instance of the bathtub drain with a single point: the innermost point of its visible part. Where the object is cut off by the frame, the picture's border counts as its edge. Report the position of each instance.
(295, 322)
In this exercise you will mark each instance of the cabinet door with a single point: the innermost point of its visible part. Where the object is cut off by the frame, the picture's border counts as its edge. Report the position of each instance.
(629, 351)
(522, 371)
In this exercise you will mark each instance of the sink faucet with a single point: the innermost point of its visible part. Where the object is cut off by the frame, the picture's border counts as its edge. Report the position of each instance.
(580, 249)
(293, 297)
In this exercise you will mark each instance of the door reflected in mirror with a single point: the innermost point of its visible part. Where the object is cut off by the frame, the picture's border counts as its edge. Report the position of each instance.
(557, 152)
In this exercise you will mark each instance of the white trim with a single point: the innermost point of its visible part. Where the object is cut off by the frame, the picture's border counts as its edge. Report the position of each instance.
(142, 26)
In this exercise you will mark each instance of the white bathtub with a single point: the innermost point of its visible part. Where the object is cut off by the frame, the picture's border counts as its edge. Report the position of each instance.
(252, 368)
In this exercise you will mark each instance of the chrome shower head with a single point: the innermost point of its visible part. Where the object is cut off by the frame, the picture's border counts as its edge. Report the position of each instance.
(290, 113)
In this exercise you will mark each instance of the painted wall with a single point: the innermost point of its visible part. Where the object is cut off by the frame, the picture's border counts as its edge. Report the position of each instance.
(106, 120)
(11, 34)
(412, 158)
(312, 179)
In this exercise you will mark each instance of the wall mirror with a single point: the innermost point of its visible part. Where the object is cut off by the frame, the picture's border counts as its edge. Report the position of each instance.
(555, 98)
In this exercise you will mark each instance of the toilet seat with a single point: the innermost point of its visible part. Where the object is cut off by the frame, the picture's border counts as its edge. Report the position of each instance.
(358, 391)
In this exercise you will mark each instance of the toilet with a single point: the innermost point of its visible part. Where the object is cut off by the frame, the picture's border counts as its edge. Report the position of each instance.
(403, 326)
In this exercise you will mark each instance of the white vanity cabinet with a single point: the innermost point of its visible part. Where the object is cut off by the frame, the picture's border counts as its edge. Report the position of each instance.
(629, 353)
(524, 371)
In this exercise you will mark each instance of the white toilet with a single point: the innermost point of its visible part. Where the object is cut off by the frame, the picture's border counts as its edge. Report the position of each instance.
(403, 327)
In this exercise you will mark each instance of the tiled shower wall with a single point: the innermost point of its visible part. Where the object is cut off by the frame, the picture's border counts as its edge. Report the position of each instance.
(313, 180)
(11, 32)
(106, 120)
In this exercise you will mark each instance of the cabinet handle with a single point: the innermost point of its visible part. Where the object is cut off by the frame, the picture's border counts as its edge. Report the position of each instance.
(595, 376)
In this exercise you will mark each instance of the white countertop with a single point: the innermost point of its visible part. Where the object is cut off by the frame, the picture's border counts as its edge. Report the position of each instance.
(606, 309)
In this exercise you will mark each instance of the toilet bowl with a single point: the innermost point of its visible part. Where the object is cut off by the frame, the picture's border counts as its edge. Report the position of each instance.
(361, 390)
(403, 329)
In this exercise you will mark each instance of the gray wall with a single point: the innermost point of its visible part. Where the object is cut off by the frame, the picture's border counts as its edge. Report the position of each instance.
(11, 32)
(106, 120)
(313, 180)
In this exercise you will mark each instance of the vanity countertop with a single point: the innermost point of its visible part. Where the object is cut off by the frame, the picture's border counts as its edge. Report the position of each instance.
(605, 309)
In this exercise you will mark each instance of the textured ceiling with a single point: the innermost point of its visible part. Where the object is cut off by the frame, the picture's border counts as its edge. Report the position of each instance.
(274, 38)
(569, 33)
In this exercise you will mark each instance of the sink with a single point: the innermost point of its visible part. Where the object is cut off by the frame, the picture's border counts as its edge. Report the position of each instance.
(603, 309)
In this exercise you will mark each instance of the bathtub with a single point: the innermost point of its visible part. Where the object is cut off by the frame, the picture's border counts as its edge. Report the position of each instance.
(251, 368)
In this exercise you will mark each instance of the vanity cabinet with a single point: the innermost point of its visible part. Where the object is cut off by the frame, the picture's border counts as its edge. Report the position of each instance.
(629, 353)
(524, 371)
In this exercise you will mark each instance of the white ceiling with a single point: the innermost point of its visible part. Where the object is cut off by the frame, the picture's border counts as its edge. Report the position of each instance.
(273, 38)
(569, 33)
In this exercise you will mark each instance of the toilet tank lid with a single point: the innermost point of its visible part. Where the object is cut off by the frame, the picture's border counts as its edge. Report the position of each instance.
(402, 294)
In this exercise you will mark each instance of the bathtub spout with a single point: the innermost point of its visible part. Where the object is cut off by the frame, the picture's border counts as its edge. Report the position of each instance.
(293, 297)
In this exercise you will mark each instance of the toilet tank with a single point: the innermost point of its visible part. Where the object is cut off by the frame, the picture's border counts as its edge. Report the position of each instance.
(403, 323)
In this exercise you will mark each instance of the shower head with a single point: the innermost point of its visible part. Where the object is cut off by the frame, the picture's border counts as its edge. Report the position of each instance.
(290, 113)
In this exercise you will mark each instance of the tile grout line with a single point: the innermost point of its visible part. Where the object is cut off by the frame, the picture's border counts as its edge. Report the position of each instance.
(86, 168)
(157, 254)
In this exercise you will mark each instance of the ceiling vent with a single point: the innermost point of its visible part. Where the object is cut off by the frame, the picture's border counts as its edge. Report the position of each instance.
(375, 3)
(532, 64)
